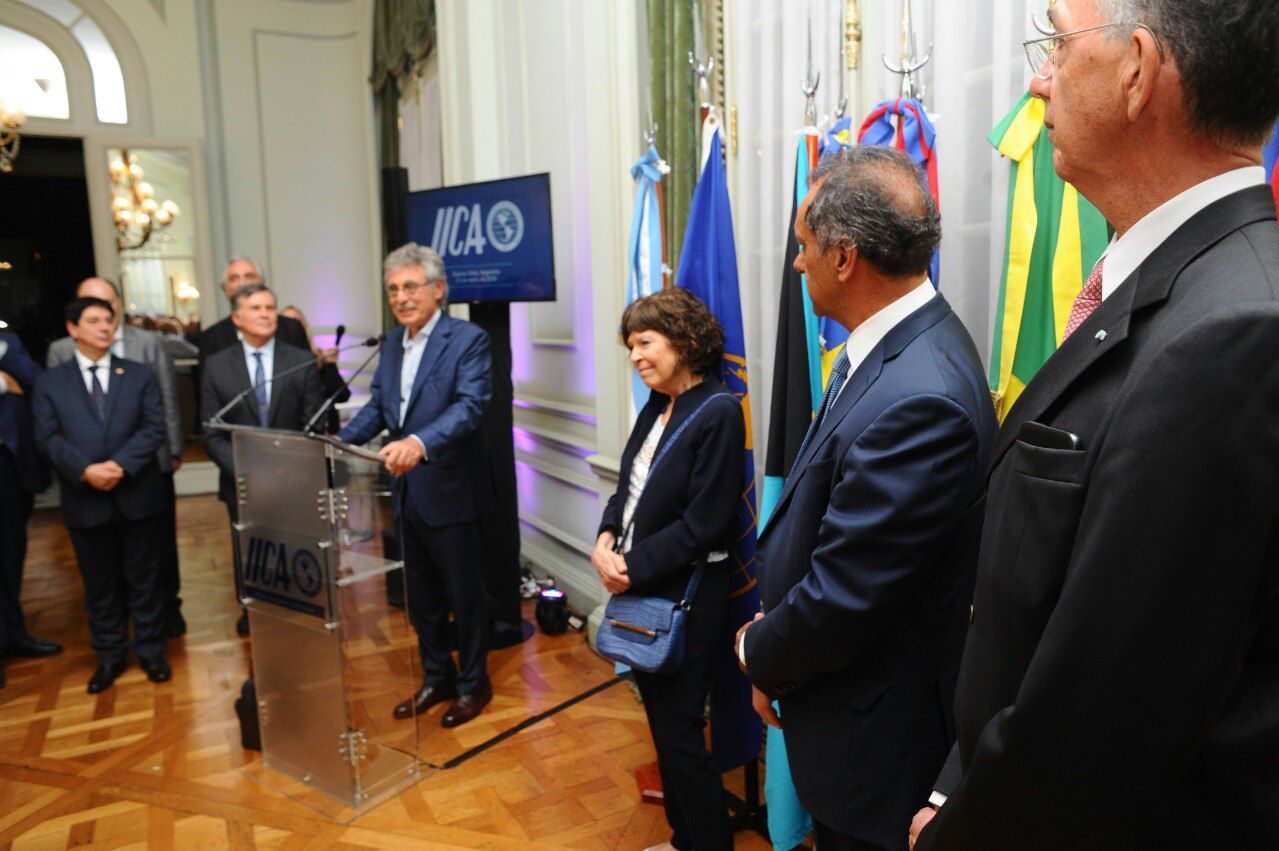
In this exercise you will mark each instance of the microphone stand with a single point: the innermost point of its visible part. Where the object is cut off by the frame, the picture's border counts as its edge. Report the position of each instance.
(309, 428)
(216, 419)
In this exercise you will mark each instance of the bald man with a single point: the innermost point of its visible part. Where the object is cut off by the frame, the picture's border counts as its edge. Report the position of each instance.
(147, 347)
(238, 273)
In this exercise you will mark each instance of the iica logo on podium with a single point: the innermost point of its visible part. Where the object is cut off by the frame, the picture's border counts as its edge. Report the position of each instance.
(283, 573)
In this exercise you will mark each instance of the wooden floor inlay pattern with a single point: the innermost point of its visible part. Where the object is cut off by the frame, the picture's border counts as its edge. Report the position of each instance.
(160, 766)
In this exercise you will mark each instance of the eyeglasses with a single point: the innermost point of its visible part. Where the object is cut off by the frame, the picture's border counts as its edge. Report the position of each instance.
(410, 289)
(1042, 52)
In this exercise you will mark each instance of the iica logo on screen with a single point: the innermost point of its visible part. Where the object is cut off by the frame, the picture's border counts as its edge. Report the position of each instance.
(467, 230)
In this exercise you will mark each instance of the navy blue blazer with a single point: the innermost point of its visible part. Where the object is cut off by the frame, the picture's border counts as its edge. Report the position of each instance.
(15, 414)
(689, 506)
(866, 571)
(71, 436)
(446, 412)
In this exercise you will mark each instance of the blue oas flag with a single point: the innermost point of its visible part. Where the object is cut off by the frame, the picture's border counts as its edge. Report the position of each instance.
(1271, 155)
(644, 275)
(708, 269)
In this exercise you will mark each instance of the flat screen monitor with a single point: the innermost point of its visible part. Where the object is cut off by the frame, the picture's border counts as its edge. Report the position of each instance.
(494, 237)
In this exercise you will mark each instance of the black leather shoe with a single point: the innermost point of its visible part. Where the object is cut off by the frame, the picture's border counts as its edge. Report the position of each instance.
(426, 697)
(175, 626)
(157, 668)
(242, 625)
(467, 706)
(105, 676)
(31, 647)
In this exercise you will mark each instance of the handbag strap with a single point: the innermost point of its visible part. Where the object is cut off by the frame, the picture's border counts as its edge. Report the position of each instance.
(691, 591)
(657, 459)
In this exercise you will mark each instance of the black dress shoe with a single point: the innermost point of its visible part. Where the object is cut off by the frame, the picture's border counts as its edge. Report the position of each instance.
(466, 707)
(242, 625)
(175, 626)
(426, 697)
(157, 668)
(31, 647)
(105, 676)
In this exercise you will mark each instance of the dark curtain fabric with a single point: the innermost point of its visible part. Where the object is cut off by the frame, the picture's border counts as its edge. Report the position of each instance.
(403, 38)
(675, 111)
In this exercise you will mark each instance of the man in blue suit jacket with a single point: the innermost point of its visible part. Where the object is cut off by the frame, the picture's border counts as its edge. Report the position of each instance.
(22, 476)
(429, 391)
(866, 568)
(99, 421)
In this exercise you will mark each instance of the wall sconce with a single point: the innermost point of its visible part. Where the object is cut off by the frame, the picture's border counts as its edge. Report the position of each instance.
(10, 141)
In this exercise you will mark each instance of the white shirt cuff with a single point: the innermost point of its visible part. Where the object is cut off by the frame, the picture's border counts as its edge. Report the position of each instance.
(741, 651)
(4, 385)
(421, 444)
(937, 799)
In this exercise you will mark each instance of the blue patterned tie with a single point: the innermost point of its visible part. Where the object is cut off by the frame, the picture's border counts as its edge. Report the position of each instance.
(838, 375)
(97, 394)
(259, 389)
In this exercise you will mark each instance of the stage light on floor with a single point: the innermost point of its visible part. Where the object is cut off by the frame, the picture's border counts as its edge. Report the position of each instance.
(552, 611)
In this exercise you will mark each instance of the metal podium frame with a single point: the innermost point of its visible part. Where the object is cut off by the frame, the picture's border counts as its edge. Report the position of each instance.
(330, 657)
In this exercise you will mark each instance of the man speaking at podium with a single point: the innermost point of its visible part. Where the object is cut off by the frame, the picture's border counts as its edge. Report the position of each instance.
(430, 389)
(277, 400)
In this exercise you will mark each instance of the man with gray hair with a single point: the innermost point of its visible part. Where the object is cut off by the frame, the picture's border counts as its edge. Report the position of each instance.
(240, 272)
(866, 567)
(1120, 684)
(430, 390)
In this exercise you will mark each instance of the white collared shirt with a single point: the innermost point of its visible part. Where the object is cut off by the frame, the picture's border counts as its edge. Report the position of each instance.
(865, 337)
(268, 362)
(414, 348)
(1126, 253)
(86, 373)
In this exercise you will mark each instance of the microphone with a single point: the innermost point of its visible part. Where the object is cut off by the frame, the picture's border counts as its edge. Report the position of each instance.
(243, 394)
(337, 337)
(346, 384)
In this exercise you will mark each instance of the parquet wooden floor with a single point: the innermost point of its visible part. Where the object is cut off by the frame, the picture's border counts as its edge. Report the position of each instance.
(160, 766)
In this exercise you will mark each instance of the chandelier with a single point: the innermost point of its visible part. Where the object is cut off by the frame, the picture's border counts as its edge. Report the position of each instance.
(137, 214)
(10, 142)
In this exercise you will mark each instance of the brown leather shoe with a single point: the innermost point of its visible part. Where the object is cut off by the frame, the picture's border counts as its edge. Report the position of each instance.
(426, 697)
(467, 706)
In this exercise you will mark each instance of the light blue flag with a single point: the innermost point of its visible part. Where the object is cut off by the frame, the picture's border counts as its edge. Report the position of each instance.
(708, 269)
(644, 275)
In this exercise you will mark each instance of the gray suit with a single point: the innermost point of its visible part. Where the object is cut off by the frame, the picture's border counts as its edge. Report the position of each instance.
(147, 347)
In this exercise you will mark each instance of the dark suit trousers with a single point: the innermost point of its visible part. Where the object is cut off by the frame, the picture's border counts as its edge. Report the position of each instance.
(15, 511)
(675, 703)
(120, 564)
(170, 578)
(828, 839)
(444, 572)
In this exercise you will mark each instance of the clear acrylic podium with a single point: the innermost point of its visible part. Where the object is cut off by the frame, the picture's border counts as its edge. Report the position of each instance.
(331, 658)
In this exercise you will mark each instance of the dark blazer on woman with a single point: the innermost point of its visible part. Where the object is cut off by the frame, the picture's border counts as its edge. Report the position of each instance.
(687, 509)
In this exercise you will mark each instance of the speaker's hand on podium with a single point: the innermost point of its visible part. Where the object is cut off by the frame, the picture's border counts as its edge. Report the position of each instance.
(403, 455)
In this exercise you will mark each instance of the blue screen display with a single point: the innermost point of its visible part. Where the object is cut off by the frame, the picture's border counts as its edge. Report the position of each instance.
(494, 237)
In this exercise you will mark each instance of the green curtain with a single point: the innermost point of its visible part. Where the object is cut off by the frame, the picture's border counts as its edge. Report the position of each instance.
(403, 37)
(675, 111)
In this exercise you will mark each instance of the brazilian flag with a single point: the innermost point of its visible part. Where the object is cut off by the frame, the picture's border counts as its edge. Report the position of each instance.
(1055, 237)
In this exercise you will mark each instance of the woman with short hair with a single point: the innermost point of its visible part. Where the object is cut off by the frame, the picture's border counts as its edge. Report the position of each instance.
(658, 529)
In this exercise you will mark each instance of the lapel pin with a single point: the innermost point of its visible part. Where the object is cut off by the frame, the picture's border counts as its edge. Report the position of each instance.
(1101, 335)
(119, 370)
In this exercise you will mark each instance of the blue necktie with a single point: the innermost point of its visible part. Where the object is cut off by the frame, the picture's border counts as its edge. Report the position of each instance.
(259, 388)
(97, 394)
(838, 375)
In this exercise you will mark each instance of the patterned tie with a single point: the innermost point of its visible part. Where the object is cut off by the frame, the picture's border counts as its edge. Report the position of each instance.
(97, 394)
(259, 389)
(838, 375)
(1088, 300)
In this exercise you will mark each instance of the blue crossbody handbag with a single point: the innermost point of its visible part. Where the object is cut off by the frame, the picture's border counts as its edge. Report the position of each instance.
(647, 633)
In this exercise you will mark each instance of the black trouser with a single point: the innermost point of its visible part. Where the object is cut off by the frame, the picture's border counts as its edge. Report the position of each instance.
(444, 572)
(170, 579)
(692, 790)
(120, 564)
(828, 839)
(15, 511)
